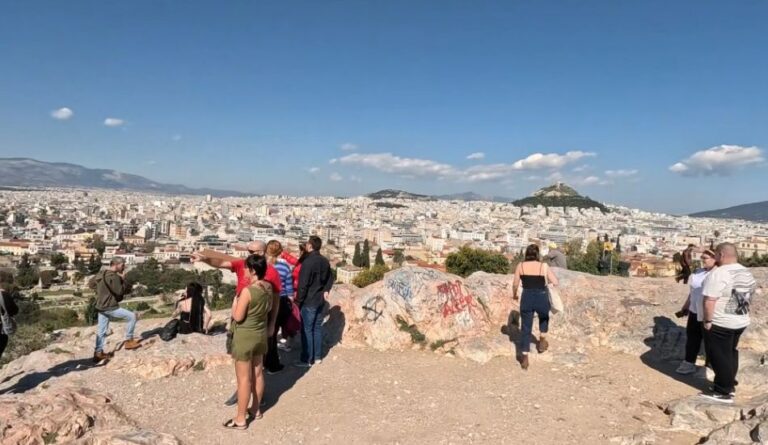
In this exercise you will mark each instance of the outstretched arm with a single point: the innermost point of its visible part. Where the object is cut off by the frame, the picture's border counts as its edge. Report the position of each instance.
(219, 263)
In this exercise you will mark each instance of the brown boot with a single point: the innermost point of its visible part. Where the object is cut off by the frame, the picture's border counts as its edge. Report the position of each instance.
(100, 356)
(524, 361)
(543, 345)
(131, 344)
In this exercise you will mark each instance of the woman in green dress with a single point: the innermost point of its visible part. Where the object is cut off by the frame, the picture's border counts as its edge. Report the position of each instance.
(251, 312)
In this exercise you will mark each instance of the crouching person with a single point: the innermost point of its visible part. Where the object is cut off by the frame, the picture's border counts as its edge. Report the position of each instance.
(111, 288)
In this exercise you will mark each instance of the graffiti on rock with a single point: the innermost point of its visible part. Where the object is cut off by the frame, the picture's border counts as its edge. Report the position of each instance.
(374, 308)
(401, 286)
(454, 301)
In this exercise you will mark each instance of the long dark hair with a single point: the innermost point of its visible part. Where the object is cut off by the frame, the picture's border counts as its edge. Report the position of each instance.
(304, 253)
(195, 293)
(532, 253)
(257, 264)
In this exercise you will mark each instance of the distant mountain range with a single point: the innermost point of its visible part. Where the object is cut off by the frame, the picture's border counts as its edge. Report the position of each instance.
(23, 172)
(557, 195)
(756, 211)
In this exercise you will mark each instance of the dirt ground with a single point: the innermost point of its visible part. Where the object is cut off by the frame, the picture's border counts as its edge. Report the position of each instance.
(363, 396)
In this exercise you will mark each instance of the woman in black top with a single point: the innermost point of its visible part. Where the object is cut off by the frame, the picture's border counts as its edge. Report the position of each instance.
(194, 315)
(534, 276)
(12, 309)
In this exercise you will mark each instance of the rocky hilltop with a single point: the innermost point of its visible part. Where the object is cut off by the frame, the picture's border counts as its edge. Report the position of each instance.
(617, 340)
(559, 195)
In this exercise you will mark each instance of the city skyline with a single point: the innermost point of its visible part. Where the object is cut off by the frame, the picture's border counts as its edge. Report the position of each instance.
(653, 106)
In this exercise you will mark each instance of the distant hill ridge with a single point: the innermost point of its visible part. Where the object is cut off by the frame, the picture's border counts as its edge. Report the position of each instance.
(25, 172)
(756, 211)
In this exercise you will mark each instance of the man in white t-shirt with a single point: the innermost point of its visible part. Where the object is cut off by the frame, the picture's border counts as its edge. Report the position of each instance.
(728, 291)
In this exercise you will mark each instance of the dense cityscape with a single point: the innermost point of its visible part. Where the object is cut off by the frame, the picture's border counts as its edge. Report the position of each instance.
(81, 224)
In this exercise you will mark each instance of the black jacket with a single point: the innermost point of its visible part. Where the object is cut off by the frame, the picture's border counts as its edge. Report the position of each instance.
(315, 279)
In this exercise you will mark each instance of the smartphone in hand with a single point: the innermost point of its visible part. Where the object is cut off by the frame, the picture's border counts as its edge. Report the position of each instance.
(681, 314)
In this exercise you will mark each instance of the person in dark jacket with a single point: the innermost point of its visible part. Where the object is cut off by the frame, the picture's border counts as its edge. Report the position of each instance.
(315, 282)
(12, 309)
(111, 288)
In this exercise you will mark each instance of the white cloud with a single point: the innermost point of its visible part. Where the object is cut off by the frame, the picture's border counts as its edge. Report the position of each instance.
(151, 162)
(176, 137)
(476, 156)
(335, 177)
(354, 178)
(427, 168)
(721, 160)
(539, 161)
(348, 147)
(313, 169)
(589, 180)
(581, 168)
(113, 122)
(62, 114)
(389, 163)
(620, 173)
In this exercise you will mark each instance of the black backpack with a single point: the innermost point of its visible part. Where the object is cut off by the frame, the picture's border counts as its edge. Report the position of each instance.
(170, 330)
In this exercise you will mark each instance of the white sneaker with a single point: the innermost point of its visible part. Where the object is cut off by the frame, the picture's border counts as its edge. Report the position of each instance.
(318, 361)
(686, 368)
(284, 347)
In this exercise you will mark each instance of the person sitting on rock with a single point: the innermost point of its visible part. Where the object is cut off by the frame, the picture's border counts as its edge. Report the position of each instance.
(694, 308)
(534, 276)
(253, 316)
(111, 288)
(192, 310)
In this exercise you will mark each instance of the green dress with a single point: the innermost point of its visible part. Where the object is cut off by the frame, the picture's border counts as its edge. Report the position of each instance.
(249, 338)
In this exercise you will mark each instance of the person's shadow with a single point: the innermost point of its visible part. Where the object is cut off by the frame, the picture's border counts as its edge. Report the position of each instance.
(667, 351)
(282, 382)
(35, 379)
(512, 330)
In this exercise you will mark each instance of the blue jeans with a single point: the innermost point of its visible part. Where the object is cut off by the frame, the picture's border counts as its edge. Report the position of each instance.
(533, 301)
(104, 325)
(311, 334)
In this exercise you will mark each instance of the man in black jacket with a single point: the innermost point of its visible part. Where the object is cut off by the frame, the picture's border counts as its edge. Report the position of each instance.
(12, 309)
(315, 282)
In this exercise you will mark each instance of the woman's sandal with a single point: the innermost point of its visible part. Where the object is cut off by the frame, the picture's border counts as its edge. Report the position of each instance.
(251, 417)
(231, 424)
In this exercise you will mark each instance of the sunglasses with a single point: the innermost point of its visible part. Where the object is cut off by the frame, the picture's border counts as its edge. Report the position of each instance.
(255, 252)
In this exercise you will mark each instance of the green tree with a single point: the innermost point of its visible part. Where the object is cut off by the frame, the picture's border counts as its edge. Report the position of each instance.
(94, 265)
(99, 244)
(366, 255)
(399, 257)
(588, 261)
(468, 260)
(356, 258)
(379, 258)
(27, 275)
(370, 276)
(58, 260)
(46, 278)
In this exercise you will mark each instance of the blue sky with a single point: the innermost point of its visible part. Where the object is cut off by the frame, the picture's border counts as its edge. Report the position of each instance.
(657, 105)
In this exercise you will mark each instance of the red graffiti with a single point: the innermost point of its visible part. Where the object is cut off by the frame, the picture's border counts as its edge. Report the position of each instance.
(455, 299)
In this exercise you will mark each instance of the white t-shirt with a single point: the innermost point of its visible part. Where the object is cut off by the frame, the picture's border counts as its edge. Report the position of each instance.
(696, 305)
(733, 285)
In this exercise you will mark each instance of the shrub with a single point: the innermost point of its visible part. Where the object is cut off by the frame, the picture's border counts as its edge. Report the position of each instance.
(467, 261)
(370, 276)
